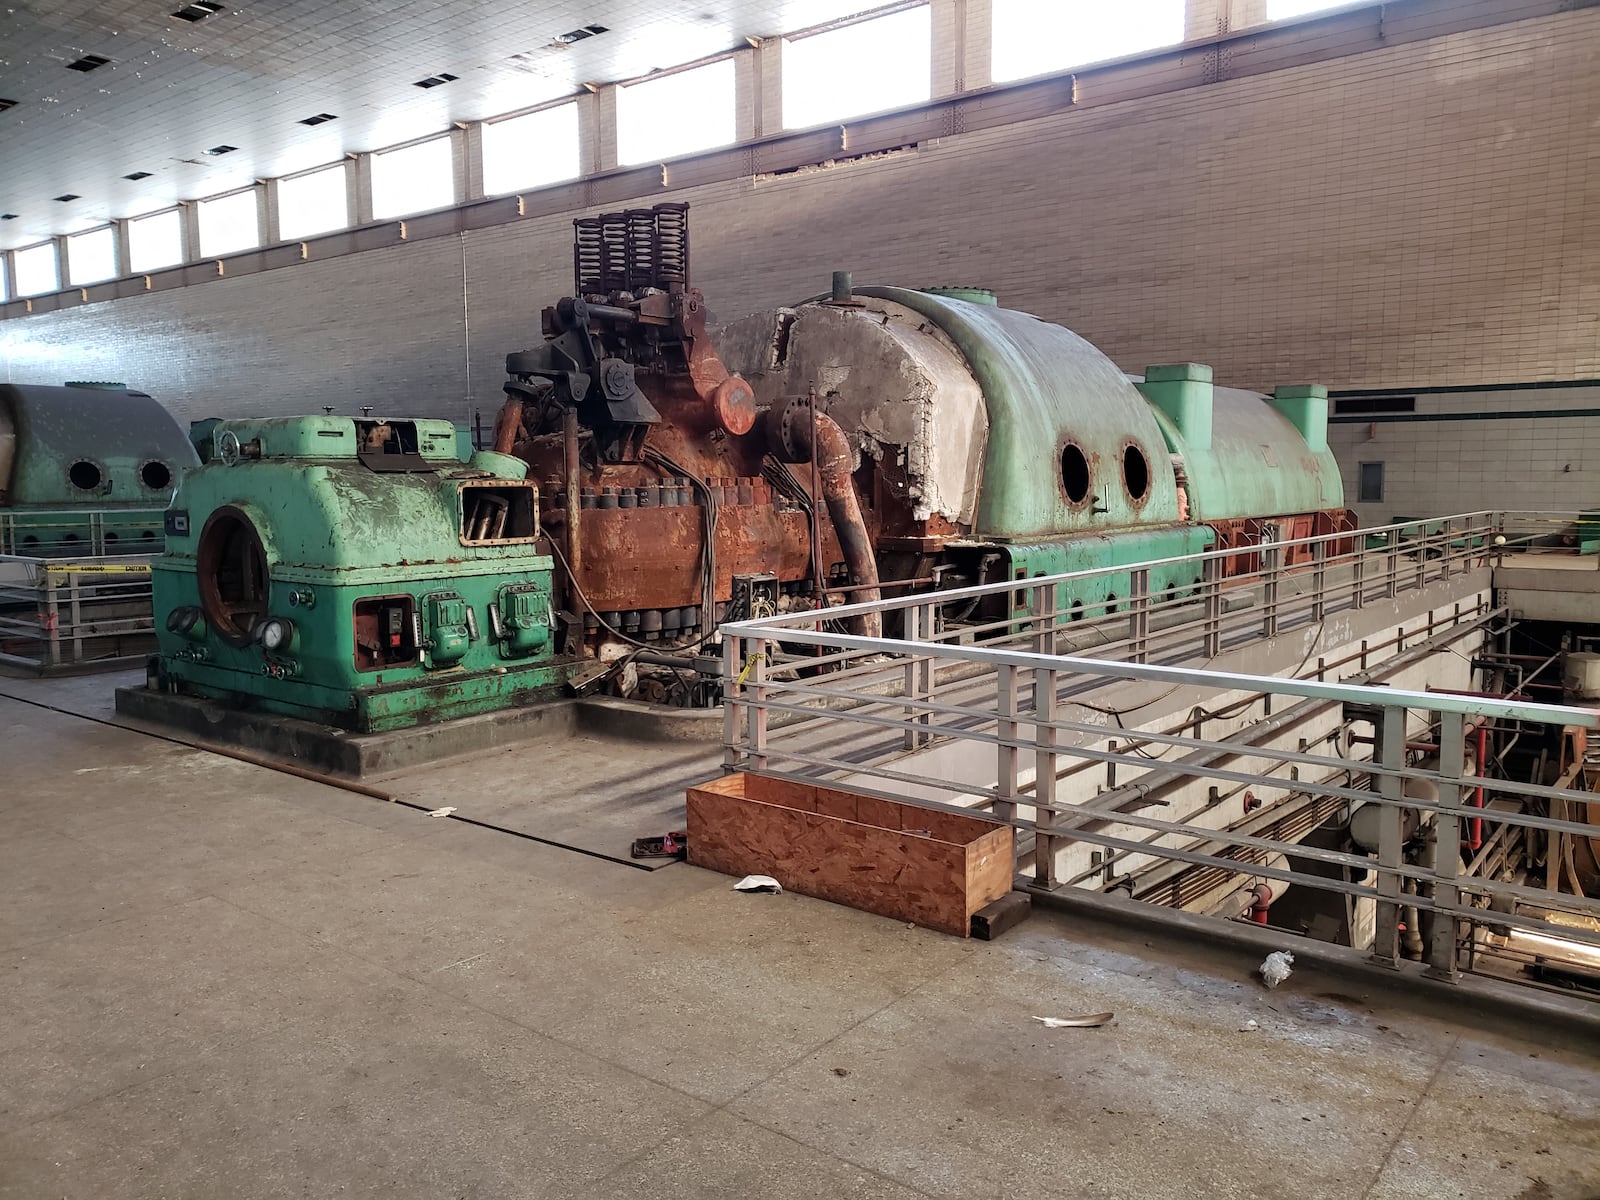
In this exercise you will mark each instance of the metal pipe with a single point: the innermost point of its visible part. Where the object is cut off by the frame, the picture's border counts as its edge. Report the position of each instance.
(820, 441)
(1261, 903)
(704, 664)
(1474, 838)
(569, 447)
(506, 423)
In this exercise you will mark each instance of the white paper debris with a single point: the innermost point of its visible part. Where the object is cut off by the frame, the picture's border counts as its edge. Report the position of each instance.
(1249, 1026)
(1276, 969)
(1090, 1021)
(758, 883)
(442, 812)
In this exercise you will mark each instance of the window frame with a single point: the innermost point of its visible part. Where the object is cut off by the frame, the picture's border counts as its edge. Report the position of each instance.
(402, 213)
(627, 86)
(1364, 493)
(117, 272)
(204, 252)
(341, 166)
(571, 103)
(176, 212)
(55, 254)
(844, 26)
(1074, 64)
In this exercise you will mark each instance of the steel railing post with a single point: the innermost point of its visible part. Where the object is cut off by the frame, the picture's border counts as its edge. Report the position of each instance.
(75, 608)
(1446, 850)
(1391, 749)
(1043, 608)
(757, 666)
(1211, 595)
(908, 683)
(733, 715)
(1319, 581)
(1006, 728)
(1044, 778)
(1138, 614)
(927, 622)
(1358, 575)
(1271, 569)
(52, 618)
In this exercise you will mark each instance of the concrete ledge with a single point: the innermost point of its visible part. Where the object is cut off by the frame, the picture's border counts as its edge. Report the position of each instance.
(1475, 1000)
(358, 755)
(339, 751)
(632, 719)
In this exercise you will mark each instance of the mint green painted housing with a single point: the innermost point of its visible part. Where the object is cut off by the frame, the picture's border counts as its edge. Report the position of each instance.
(335, 532)
(1306, 406)
(1044, 387)
(46, 431)
(1030, 560)
(1183, 392)
(1257, 462)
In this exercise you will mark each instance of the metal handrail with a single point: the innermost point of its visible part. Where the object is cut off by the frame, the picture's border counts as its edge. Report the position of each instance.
(862, 712)
(58, 613)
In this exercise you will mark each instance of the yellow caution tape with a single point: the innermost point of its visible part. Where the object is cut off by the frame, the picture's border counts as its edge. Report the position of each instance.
(96, 569)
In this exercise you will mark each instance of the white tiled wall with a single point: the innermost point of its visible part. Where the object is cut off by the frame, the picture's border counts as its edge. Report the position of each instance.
(1526, 456)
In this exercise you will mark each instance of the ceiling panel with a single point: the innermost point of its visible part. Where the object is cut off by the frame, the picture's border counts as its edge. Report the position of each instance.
(247, 75)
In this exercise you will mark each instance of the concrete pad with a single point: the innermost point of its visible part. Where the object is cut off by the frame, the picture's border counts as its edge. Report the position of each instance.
(952, 1089)
(408, 1096)
(595, 793)
(91, 695)
(91, 1013)
(57, 885)
(415, 910)
(242, 984)
(726, 1158)
(768, 978)
(1499, 1122)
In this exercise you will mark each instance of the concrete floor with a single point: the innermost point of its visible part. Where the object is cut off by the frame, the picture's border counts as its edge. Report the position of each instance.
(220, 981)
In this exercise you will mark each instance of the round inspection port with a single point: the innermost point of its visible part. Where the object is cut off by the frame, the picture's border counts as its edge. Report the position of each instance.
(156, 476)
(1135, 471)
(84, 475)
(1074, 473)
(231, 573)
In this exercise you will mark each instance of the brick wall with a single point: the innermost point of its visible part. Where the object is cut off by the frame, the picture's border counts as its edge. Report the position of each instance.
(1421, 215)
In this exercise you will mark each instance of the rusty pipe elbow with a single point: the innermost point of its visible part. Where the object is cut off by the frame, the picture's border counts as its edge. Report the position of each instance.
(795, 433)
(507, 423)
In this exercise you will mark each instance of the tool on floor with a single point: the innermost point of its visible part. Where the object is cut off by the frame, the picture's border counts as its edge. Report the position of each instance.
(670, 845)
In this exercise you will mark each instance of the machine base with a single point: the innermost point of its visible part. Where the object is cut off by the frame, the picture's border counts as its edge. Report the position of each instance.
(357, 755)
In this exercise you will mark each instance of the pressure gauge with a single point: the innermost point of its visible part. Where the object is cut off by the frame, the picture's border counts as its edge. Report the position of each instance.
(275, 634)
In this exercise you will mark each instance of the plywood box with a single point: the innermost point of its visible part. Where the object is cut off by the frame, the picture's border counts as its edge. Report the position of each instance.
(922, 865)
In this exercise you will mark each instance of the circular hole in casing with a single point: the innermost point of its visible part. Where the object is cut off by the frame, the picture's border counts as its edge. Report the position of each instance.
(84, 475)
(231, 572)
(1135, 471)
(1074, 473)
(156, 475)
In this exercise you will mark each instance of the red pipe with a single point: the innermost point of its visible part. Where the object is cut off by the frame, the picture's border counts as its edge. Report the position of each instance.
(1474, 838)
(1261, 903)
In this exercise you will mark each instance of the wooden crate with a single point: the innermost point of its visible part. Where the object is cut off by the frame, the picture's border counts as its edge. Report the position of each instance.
(916, 864)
